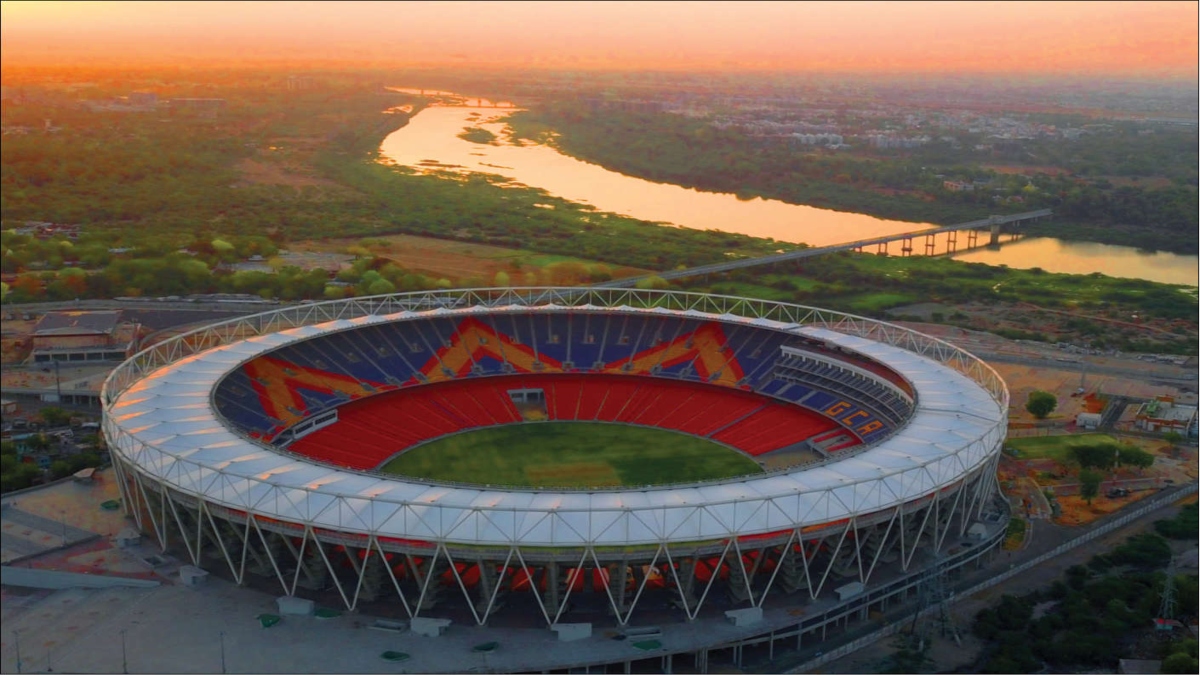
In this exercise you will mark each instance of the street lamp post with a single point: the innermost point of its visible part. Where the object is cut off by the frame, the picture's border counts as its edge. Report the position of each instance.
(222, 635)
(124, 659)
(17, 643)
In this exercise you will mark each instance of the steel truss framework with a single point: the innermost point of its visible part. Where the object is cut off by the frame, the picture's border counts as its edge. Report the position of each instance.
(798, 566)
(364, 565)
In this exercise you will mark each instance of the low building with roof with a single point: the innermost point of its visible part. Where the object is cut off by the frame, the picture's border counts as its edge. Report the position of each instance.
(81, 336)
(1163, 415)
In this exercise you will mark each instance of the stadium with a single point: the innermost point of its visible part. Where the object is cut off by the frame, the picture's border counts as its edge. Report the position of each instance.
(545, 456)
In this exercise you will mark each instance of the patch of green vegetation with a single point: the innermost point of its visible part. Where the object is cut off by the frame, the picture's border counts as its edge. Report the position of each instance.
(571, 454)
(1016, 527)
(478, 135)
(751, 290)
(1145, 551)
(868, 284)
(873, 303)
(1056, 447)
(1097, 614)
(1015, 533)
(1185, 524)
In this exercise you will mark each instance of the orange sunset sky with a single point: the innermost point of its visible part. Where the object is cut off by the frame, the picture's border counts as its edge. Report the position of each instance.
(1155, 39)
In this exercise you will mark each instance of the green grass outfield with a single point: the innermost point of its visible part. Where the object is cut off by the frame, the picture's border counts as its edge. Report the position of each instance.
(571, 454)
(1055, 447)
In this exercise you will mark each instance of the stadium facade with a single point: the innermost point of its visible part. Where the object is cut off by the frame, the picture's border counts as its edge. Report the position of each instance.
(251, 446)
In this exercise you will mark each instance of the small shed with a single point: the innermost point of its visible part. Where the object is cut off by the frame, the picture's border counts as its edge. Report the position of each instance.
(1138, 666)
(1087, 420)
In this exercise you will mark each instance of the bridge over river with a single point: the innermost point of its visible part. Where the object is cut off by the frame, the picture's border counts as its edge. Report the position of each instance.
(993, 224)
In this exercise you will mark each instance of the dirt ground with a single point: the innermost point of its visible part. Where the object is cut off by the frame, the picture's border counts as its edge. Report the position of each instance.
(1076, 510)
(455, 260)
(1057, 325)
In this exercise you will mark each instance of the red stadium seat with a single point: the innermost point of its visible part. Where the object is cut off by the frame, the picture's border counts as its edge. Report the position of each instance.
(775, 426)
(370, 431)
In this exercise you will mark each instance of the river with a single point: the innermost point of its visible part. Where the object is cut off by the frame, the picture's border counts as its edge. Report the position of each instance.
(430, 141)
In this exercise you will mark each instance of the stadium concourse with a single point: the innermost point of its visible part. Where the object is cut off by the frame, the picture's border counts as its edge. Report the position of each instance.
(252, 447)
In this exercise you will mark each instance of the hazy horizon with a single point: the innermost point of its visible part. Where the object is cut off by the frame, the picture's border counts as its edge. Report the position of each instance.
(1135, 40)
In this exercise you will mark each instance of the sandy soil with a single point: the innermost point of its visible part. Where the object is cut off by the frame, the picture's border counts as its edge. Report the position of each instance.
(1076, 511)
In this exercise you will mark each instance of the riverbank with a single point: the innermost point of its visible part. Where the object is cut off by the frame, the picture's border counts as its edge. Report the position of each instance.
(907, 186)
(441, 138)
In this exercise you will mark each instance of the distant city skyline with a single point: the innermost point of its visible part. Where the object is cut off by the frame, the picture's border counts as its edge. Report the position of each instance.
(1140, 39)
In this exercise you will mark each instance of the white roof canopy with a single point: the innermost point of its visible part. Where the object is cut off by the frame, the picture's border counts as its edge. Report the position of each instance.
(166, 424)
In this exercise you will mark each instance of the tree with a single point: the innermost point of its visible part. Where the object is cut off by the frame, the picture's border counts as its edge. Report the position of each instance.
(1089, 485)
(652, 283)
(1184, 525)
(38, 442)
(1178, 662)
(60, 469)
(1096, 456)
(55, 416)
(501, 279)
(1134, 456)
(1173, 437)
(15, 475)
(224, 250)
(1040, 404)
(381, 287)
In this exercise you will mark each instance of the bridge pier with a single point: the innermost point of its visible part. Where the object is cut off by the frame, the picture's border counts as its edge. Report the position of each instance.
(881, 248)
(995, 230)
(906, 246)
(972, 238)
(930, 244)
(951, 241)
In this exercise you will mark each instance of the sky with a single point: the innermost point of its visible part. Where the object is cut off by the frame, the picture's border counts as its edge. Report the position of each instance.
(1150, 39)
